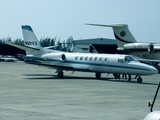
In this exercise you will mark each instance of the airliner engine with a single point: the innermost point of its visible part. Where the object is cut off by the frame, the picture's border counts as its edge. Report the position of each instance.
(55, 56)
(139, 47)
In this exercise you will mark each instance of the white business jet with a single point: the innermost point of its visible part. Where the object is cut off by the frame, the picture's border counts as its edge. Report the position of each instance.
(144, 51)
(86, 62)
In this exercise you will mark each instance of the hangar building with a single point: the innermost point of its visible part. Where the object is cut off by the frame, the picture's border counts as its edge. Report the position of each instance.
(101, 45)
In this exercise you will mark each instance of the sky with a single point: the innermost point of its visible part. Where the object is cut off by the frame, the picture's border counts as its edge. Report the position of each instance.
(65, 18)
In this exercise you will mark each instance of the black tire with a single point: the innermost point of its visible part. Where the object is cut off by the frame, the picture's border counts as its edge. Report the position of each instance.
(98, 75)
(139, 80)
(60, 75)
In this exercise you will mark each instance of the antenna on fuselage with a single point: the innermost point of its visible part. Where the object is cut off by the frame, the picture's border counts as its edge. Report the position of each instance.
(151, 105)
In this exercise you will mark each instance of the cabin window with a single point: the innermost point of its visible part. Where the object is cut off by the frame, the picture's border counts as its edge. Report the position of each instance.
(86, 58)
(91, 58)
(76, 58)
(81, 58)
(95, 59)
(100, 59)
(105, 59)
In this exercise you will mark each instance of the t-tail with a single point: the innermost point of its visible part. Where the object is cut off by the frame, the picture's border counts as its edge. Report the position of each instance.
(121, 33)
(31, 41)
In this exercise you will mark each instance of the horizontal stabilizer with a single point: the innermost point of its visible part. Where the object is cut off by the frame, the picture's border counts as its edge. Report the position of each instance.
(113, 25)
(21, 47)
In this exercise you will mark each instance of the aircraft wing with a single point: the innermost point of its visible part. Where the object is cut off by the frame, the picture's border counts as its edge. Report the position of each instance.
(147, 60)
(64, 67)
(61, 66)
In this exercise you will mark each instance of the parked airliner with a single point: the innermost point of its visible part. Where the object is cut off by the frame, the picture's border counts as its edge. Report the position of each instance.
(86, 62)
(149, 52)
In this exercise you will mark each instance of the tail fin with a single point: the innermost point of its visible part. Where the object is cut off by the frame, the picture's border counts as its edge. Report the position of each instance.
(31, 41)
(121, 33)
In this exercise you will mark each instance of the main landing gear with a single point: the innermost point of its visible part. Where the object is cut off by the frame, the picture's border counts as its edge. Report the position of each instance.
(98, 75)
(60, 74)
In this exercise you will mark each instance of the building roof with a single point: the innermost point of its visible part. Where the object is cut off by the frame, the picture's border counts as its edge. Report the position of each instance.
(96, 41)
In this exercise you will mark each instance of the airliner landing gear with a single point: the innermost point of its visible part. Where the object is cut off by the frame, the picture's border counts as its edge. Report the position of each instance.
(139, 79)
(98, 75)
(60, 74)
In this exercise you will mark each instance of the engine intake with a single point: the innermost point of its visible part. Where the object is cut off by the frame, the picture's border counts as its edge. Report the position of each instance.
(54, 56)
(151, 48)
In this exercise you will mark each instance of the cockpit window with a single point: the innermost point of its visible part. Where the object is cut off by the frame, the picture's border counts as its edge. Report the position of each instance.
(126, 59)
(129, 59)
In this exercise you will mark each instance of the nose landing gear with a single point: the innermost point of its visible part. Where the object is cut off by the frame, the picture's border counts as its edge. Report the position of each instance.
(139, 80)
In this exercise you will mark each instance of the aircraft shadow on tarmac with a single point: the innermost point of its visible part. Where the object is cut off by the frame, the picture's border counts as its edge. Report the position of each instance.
(70, 77)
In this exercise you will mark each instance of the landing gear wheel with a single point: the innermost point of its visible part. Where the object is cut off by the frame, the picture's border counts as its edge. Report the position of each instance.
(129, 78)
(60, 74)
(98, 75)
(139, 80)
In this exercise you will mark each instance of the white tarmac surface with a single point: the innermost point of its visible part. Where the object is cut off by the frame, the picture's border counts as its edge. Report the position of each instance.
(29, 92)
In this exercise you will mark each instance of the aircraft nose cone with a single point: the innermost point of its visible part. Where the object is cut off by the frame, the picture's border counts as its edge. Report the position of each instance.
(151, 69)
(154, 70)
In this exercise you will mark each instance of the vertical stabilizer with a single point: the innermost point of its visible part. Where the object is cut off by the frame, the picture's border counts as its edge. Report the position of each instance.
(121, 33)
(31, 41)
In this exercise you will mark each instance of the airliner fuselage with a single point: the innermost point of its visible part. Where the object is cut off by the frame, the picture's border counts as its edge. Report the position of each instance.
(101, 63)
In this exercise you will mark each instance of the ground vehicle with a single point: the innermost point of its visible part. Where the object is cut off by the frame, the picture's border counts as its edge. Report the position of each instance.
(8, 59)
(20, 57)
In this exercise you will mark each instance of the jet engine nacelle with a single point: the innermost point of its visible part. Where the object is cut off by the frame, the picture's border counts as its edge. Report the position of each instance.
(54, 56)
(139, 47)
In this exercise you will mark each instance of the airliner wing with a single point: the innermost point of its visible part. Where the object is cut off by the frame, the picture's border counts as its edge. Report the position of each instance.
(63, 67)
(147, 60)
